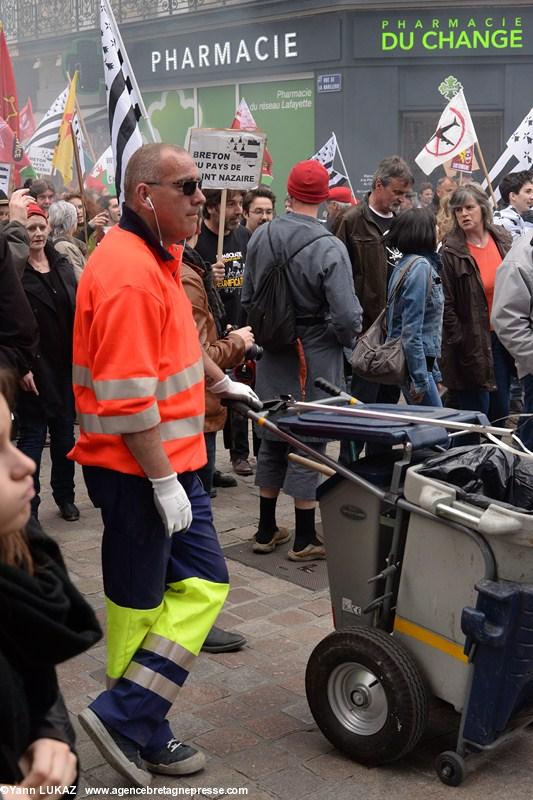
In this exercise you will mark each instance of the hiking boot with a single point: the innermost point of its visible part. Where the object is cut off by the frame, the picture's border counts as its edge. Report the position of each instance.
(241, 466)
(279, 537)
(122, 753)
(175, 758)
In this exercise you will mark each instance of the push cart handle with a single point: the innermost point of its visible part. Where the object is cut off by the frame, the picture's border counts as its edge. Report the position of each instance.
(334, 391)
(455, 515)
(310, 464)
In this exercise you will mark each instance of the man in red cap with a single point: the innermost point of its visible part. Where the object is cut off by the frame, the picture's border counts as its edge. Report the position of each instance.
(328, 317)
(340, 199)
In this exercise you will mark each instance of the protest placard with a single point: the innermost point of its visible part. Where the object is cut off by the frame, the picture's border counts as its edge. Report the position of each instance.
(227, 158)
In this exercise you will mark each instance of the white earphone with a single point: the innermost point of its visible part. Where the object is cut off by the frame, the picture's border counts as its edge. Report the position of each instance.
(149, 201)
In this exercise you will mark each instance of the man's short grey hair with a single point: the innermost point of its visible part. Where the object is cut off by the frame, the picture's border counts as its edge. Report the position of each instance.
(146, 165)
(62, 218)
(464, 194)
(392, 168)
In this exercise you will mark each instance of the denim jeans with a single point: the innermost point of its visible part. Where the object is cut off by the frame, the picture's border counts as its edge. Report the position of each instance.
(431, 397)
(494, 404)
(31, 440)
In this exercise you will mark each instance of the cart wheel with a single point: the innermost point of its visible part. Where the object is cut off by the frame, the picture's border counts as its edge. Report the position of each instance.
(450, 768)
(366, 695)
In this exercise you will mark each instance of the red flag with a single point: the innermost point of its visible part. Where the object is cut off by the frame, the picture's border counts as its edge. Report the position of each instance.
(244, 121)
(9, 106)
(6, 143)
(26, 121)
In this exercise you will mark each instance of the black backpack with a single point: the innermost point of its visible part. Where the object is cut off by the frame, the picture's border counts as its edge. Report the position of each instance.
(271, 311)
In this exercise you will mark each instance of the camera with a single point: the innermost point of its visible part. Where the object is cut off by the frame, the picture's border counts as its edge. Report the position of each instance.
(254, 353)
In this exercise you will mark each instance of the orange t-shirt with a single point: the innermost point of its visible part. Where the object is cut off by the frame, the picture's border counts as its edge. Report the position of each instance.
(488, 259)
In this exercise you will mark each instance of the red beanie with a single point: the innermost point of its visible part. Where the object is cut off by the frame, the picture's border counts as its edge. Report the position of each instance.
(342, 194)
(309, 182)
(32, 209)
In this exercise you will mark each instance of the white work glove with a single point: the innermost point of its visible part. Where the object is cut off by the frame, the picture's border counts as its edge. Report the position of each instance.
(233, 390)
(172, 503)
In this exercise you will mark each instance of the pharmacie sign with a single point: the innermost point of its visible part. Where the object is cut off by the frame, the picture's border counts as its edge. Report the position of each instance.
(488, 31)
(245, 47)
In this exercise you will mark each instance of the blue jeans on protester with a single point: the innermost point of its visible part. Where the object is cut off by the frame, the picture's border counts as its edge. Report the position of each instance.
(431, 397)
(31, 441)
(494, 404)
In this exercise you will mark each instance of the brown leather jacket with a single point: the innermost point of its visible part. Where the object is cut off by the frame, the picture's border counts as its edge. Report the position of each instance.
(226, 353)
(368, 255)
(466, 360)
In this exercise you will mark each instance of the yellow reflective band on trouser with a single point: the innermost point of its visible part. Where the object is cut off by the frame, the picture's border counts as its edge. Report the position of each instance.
(126, 630)
(430, 638)
(190, 608)
(184, 618)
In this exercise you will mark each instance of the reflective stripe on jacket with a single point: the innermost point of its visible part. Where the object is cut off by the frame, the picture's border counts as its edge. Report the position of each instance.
(137, 358)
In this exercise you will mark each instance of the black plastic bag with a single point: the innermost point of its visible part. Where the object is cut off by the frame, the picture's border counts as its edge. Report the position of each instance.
(484, 475)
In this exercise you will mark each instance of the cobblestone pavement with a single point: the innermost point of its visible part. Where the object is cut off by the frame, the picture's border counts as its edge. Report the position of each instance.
(248, 710)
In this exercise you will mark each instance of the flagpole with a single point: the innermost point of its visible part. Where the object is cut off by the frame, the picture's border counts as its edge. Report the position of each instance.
(80, 177)
(338, 150)
(221, 224)
(484, 168)
(132, 78)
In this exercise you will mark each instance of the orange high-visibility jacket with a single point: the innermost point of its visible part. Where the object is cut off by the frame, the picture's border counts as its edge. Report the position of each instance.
(137, 358)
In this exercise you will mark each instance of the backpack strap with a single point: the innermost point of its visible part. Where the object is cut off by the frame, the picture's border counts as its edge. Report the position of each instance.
(295, 253)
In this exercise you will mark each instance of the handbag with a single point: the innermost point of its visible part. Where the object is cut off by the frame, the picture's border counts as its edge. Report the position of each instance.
(378, 360)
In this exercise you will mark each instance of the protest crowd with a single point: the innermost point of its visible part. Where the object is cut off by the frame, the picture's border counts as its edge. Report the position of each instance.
(125, 315)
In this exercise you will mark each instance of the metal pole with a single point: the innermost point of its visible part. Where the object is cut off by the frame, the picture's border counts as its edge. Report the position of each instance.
(364, 411)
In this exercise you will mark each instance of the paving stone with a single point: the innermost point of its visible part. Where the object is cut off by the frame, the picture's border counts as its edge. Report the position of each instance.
(261, 760)
(250, 611)
(274, 726)
(240, 595)
(295, 783)
(232, 739)
(319, 608)
(290, 618)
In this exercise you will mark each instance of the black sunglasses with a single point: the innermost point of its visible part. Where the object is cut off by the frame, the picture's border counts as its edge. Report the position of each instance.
(187, 186)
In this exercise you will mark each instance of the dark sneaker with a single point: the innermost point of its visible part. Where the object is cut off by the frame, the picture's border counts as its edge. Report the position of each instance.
(69, 511)
(220, 641)
(224, 481)
(175, 758)
(122, 753)
(279, 537)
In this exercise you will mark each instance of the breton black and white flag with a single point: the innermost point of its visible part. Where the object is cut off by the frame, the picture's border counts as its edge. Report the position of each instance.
(42, 144)
(517, 156)
(123, 99)
(326, 156)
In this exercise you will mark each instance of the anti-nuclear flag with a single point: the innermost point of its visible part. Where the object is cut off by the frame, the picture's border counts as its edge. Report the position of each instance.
(64, 152)
(42, 145)
(124, 101)
(517, 156)
(326, 155)
(455, 132)
(245, 121)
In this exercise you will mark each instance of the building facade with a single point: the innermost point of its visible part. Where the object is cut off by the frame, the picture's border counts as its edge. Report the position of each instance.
(367, 71)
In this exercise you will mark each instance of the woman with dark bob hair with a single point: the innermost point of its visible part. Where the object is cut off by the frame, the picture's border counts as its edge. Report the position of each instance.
(475, 364)
(414, 309)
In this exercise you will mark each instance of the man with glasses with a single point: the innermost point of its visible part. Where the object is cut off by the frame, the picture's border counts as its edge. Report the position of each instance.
(258, 207)
(139, 384)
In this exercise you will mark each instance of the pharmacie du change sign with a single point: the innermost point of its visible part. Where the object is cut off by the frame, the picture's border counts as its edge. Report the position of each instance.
(227, 158)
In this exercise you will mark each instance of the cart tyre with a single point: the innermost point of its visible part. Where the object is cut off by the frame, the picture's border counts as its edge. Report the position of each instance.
(450, 768)
(366, 694)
